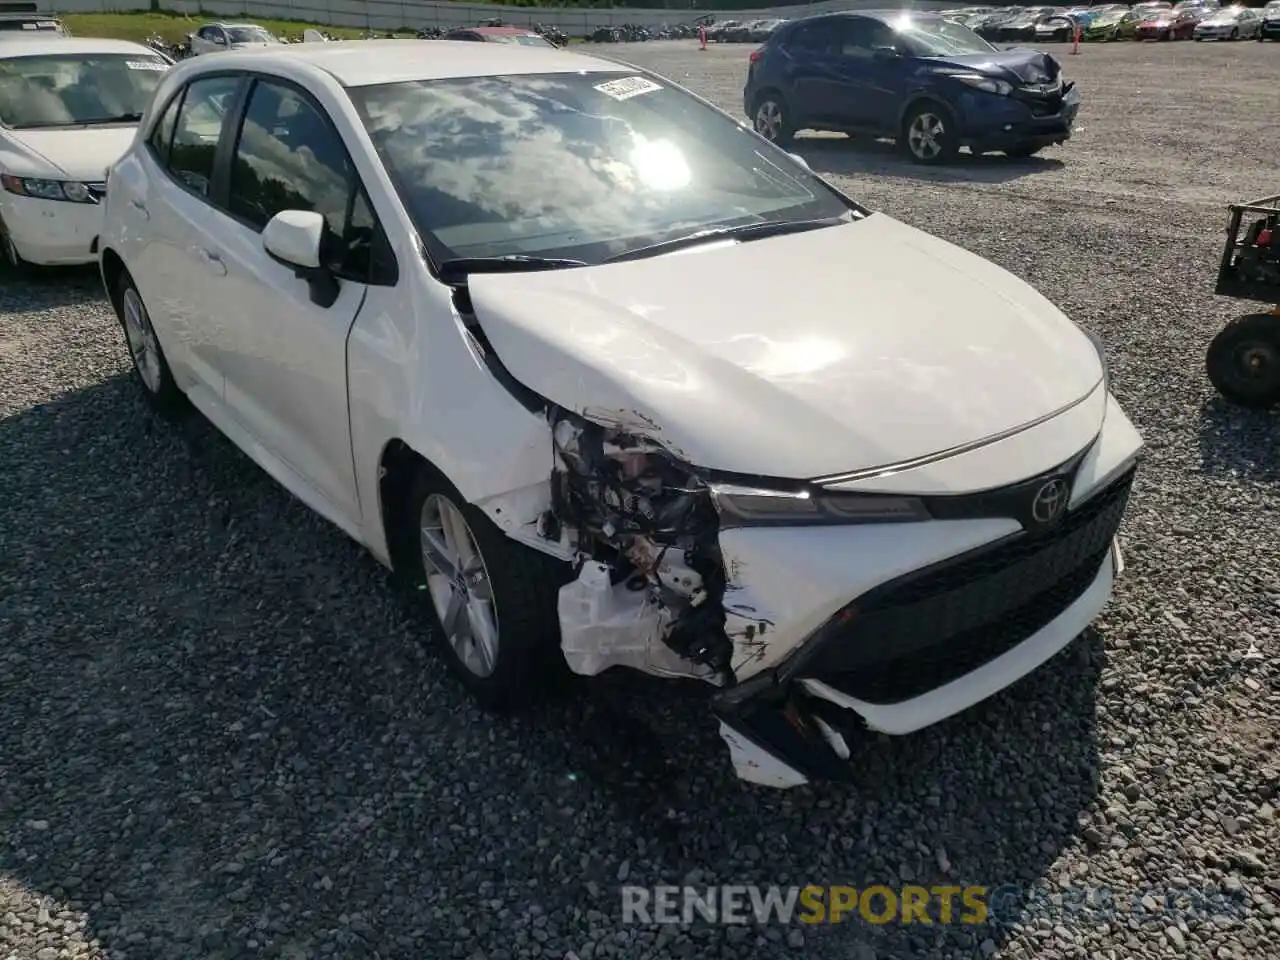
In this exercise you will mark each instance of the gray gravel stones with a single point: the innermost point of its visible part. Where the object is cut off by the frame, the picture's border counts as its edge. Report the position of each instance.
(219, 736)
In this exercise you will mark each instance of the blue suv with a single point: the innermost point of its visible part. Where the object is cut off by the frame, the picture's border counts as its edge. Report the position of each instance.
(932, 84)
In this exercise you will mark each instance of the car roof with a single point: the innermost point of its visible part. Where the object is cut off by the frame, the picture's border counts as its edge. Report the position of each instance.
(363, 63)
(52, 45)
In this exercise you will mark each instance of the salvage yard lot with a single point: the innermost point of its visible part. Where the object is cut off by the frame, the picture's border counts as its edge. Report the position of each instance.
(219, 736)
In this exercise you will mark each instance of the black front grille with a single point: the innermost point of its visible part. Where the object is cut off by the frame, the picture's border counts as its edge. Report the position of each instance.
(928, 628)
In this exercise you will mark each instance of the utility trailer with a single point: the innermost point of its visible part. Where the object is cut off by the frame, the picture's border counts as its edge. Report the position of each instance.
(1243, 361)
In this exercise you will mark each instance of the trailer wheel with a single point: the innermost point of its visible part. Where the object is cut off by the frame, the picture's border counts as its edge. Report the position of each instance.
(1243, 361)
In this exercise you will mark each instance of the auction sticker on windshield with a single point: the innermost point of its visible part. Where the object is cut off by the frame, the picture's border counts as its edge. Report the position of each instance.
(627, 87)
(146, 65)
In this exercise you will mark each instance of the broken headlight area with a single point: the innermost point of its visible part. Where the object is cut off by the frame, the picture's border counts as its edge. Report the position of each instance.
(649, 592)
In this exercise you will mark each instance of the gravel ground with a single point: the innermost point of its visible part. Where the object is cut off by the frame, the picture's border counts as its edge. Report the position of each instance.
(219, 736)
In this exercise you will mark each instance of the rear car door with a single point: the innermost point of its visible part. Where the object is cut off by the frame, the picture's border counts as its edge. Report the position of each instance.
(285, 363)
(809, 53)
(868, 84)
(170, 209)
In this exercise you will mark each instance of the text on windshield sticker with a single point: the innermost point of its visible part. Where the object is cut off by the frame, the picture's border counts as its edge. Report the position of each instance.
(146, 65)
(627, 87)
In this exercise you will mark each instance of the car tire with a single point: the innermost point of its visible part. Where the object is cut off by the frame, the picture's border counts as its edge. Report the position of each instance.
(927, 136)
(10, 258)
(771, 118)
(150, 367)
(1235, 35)
(503, 643)
(1243, 361)
(1023, 151)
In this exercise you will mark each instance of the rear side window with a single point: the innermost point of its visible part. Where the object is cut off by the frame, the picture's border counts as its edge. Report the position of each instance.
(810, 37)
(197, 130)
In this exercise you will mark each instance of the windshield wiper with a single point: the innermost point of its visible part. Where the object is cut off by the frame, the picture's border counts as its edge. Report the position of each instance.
(746, 231)
(118, 118)
(457, 269)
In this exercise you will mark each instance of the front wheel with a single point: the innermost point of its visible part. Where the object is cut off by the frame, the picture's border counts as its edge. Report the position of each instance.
(492, 600)
(13, 261)
(1235, 34)
(772, 119)
(927, 135)
(1243, 362)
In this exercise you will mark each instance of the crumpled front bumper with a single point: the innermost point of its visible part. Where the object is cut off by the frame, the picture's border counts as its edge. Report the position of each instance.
(927, 641)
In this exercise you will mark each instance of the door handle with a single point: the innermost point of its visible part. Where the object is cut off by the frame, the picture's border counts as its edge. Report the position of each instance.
(214, 261)
(141, 208)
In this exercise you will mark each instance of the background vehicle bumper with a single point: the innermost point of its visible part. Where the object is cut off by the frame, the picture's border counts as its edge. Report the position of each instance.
(51, 232)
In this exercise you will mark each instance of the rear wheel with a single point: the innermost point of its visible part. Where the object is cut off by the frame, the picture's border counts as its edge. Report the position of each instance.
(149, 363)
(1243, 361)
(927, 135)
(772, 119)
(492, 601)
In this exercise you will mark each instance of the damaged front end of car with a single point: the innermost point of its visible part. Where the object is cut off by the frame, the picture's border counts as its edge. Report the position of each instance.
(654, 592)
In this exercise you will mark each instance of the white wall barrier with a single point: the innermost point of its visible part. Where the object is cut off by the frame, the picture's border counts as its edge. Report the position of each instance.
(382, 15)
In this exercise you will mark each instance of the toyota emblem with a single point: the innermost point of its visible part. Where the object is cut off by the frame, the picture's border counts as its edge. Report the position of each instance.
(1050, 501)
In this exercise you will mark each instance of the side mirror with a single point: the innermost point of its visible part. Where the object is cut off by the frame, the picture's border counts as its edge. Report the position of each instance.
(801, 160)
(295, 239)
(884, 53)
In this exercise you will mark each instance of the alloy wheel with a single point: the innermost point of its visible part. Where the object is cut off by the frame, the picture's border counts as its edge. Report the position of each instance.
(459, 584)
(769, 120)
(925, 135)
(141, 337)
(1256, 362)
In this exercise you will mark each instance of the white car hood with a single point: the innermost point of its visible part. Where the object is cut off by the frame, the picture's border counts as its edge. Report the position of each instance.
(77, 153)
(799, 356)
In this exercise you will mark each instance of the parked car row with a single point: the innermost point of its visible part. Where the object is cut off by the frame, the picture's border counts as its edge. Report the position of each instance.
(1155, 20)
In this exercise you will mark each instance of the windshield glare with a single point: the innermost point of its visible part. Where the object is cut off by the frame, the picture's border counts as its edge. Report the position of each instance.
(66, 90)
(935, 37)
(249, 35)
(527, 40)
(580, 165)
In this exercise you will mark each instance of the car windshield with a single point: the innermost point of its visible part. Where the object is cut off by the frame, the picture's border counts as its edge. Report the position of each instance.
(526, 40)
(584, 165)
(1273, 5)
(935, 37)
(69, 90)
(1110, 16)
(249, 35)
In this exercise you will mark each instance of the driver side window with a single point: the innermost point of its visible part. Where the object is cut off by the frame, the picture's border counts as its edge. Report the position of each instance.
(288, 156)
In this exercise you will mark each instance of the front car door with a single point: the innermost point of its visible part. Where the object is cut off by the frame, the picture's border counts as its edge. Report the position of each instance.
(284, 360)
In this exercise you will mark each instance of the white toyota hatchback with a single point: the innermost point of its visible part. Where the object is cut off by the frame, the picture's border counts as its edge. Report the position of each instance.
(501, 315)
(68, 109)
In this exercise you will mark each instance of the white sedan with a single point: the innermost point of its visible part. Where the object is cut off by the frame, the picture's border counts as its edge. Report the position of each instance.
(494, 312)
(68, 109)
